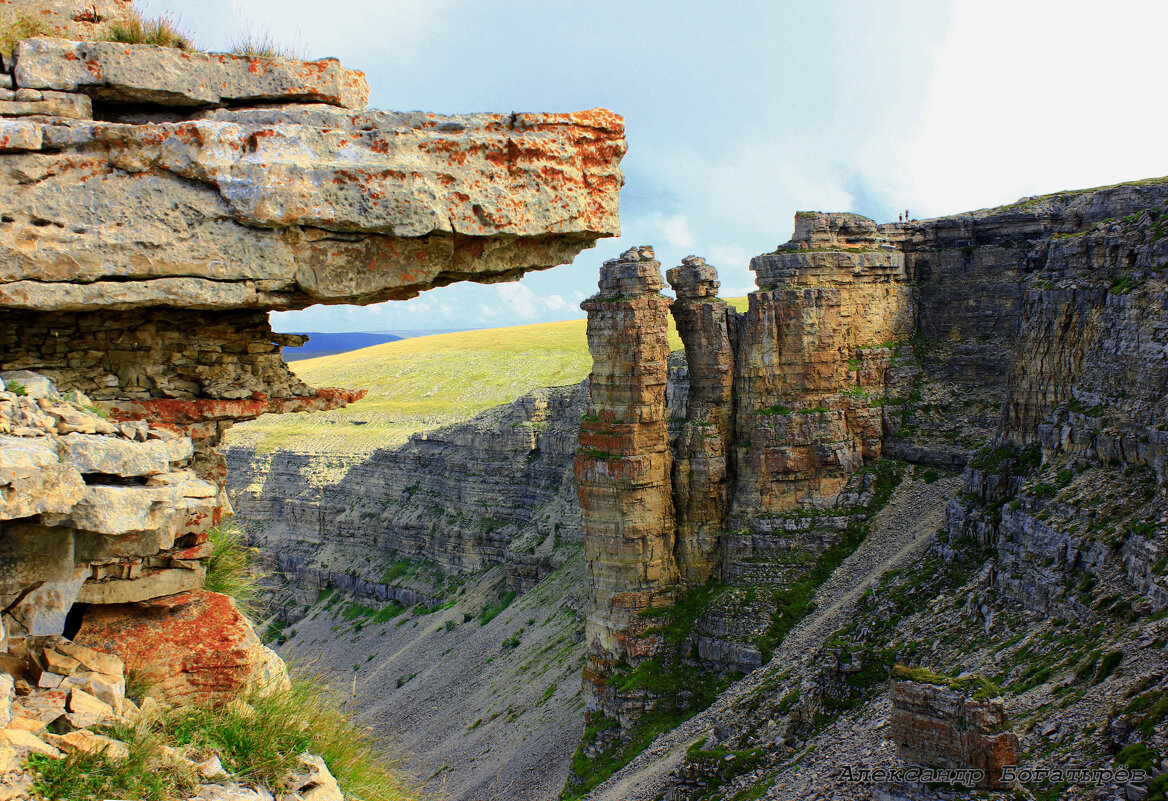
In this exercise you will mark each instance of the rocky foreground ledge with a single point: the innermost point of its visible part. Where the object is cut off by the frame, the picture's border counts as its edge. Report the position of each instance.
(158, 203)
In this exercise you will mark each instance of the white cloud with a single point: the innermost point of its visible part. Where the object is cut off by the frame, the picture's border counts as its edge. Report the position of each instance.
(673, 230)
(519, 302)
(1034, 97)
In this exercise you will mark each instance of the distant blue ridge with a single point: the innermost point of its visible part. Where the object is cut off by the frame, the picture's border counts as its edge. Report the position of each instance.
(322, 343)
(326, 344)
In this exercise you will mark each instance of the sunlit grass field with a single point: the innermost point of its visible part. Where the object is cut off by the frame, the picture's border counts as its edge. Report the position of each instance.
(426, 382)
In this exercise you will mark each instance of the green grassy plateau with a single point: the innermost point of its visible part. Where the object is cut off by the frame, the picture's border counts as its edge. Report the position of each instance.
(427, 382)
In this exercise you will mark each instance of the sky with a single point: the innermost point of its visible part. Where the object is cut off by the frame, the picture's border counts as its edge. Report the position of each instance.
(738, 114)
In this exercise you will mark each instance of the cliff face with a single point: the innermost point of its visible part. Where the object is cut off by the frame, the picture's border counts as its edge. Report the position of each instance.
(623, 467)
(1084, 404)
(1024, 344)
(158, 203)
(496, 490)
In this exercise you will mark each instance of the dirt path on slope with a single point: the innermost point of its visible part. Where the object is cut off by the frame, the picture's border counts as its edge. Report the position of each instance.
(899, 532)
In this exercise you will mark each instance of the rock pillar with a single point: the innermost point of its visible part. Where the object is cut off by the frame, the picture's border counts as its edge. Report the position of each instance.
(623, 468)
(702, 474)
(833, 306)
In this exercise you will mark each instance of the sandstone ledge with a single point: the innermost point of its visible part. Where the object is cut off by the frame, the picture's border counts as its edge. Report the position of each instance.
(130, 73)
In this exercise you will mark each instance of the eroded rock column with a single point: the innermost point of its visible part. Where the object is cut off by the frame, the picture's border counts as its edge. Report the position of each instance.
(623, 469)
(833, 305)
(702, 474)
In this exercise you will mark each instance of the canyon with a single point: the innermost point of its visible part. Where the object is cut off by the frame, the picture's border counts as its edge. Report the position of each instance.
(907, 506)
(983, 382)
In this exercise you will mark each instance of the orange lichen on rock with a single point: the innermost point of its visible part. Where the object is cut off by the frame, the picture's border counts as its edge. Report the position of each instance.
(192, 647)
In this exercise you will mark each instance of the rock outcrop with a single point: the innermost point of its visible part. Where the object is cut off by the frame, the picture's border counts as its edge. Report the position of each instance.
(933, 724)
(189, 647)
(114, 72)
(623, 469)
(94, 512)
(283, 205)
(783, 408)
(158, 204)
(703, 465)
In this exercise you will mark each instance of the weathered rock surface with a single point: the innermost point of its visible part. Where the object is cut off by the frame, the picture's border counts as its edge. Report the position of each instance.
(49, 104)
(74, 528)
(623, 469)
(814, 355)
(165, 76)
(321, 193)
(197, 648)
(933, 724)
(74, 19)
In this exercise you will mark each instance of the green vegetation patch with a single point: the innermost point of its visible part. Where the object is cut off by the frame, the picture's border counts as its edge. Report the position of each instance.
(257, 740)
(17, 25)
(681, 691)
(1008, 459)
(233, 568)
(133, 28)
(976, 687)
(491, 611)
(719, 766)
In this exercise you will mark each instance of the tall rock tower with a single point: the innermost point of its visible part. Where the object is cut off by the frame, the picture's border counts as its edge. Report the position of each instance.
(623, 469)
(703, 474)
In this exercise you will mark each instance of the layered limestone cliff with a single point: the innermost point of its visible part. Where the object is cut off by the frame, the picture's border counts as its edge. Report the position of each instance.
(1025, 344)
(158, 204)
(623, 469)
(496, 490)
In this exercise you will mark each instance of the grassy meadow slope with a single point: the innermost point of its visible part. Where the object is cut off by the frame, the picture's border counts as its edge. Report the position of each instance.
(425, 383)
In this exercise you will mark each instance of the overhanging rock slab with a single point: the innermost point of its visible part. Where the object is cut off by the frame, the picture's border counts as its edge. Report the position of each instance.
(285, 207)
(140, 73)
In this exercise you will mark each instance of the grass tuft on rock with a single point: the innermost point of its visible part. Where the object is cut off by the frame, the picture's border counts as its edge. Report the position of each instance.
(258, 738)
(144, 774)
(264, 45)
(233, 568)
(978, 688)
(18, 25)
(162, 30)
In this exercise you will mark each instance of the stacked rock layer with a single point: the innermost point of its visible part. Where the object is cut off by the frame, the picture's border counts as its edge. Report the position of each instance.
(158, 204)
(624, 465)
